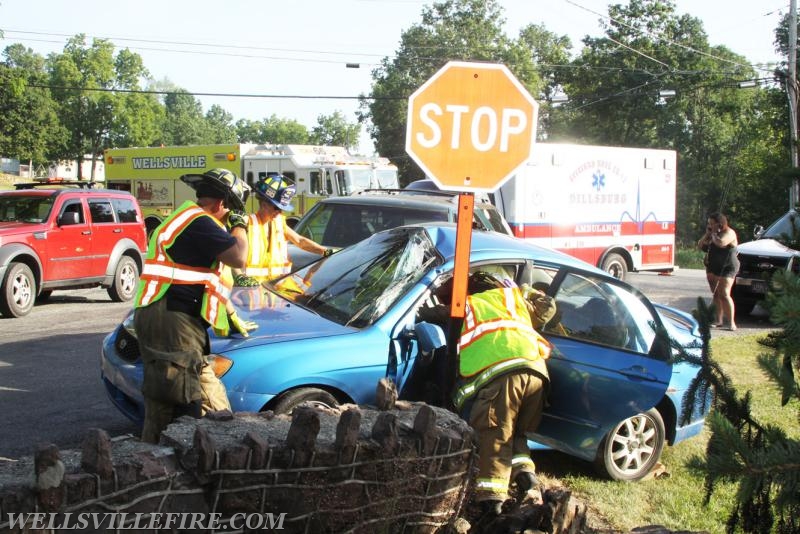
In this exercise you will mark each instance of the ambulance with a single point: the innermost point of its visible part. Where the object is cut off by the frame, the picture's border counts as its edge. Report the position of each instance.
(613, 207)
(152, 173)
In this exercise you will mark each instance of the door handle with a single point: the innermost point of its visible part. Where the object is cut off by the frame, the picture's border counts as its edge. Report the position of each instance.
(86, 232)
(638, 371)
(117, 230)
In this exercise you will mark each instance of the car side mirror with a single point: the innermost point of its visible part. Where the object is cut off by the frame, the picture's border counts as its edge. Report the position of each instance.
(429, 336)
(68, 218)
(757, 231)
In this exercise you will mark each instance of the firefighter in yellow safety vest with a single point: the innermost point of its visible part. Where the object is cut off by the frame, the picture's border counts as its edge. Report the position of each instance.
(268, 233)
(182, 291)
(502, 386)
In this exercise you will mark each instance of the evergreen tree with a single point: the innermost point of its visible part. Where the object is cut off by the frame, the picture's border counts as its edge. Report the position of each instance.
(761, 459)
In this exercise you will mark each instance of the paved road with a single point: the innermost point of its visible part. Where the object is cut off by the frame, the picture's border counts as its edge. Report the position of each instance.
(50, 388)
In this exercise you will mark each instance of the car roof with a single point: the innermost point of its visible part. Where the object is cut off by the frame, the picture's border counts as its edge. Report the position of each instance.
(495, 245)
(51, 189)
(406, 198)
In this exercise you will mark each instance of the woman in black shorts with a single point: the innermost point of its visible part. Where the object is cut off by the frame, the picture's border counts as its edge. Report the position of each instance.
(720, 244)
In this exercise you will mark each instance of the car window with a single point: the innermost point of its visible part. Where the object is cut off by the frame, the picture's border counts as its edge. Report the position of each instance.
(490, 219)
(31, 209)
(598, 311)
(341, 225)
(784, 228)
(72, 206)
(125, 208)
(101, 211)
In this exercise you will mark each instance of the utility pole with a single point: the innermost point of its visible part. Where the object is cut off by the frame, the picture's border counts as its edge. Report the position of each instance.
(791, 90)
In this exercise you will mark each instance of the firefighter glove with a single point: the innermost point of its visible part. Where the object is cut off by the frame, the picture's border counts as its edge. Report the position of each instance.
(237, 219)
(242, 280)
(240, 326)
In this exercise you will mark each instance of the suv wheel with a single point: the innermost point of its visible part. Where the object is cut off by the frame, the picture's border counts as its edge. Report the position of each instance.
(18, 292)
(126, 277)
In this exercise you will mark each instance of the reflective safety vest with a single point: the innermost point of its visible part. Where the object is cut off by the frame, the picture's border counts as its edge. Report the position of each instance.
(160, 271)
(496, 338)
(268, 254)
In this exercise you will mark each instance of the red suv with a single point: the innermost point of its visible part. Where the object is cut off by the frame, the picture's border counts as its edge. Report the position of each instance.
(67, 237)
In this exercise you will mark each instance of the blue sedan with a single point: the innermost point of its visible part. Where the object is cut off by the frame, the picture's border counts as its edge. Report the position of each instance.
(328, 332)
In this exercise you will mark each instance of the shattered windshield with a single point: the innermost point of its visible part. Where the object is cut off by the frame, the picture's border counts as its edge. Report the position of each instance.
(25, 208)
(358, 285)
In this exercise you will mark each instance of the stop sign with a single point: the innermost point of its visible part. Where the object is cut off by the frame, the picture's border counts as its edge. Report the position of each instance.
(471, 126)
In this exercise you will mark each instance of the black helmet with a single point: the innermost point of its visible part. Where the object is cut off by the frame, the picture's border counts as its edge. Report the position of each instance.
(219, 183)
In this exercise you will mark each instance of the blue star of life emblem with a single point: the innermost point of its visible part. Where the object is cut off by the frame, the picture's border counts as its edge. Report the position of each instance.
(598, 180)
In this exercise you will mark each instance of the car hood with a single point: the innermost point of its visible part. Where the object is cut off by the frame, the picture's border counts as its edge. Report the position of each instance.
(278, 320)
(766, 247)
(15, 227)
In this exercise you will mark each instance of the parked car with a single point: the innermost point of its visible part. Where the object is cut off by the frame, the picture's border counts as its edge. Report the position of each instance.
(772, 251)
(328, 332)
(339, 222)
(67, 237)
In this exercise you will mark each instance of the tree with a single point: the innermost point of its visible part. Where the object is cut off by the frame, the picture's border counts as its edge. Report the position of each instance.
(761, 459)
(85, 82)
(220, 126)
(184, 123)
(272, 130)
(468, 30)
(29, 127)
(615, 88)
(334, 130)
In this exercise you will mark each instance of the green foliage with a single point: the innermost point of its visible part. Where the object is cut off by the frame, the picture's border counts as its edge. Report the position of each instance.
(334, 130)
(761, 459)
(467, 30)
(272, 130)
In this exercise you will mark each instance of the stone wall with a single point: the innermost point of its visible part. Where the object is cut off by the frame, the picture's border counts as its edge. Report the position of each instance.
(353, 469)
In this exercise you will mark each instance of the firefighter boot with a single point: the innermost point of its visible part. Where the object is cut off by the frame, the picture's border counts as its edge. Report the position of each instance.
(526, 480)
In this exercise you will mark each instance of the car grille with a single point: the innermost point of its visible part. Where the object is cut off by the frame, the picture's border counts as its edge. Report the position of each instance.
(753, 266)
(127, 346)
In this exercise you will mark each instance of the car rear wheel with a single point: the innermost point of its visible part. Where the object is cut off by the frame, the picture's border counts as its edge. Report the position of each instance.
(18, 291)
(615, 265)
(314, 396)
(633, 447)
(126, 277)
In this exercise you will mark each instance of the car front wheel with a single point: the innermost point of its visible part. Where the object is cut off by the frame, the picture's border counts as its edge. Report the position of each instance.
(18, 291)
(314, 396)
(126, 278)
(632, 449)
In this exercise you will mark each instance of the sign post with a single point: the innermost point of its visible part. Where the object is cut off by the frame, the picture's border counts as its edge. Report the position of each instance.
(470, 127)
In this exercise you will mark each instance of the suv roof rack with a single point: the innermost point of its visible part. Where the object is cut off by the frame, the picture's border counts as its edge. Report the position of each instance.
(80, 184)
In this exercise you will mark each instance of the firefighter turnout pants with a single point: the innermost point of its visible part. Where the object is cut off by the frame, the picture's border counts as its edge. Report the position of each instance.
(503, 410)
(177, 379)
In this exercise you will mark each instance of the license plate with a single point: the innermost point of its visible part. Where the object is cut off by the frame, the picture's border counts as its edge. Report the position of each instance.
(758, 286)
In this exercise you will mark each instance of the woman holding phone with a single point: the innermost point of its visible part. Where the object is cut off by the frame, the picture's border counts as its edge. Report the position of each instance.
(720, 242)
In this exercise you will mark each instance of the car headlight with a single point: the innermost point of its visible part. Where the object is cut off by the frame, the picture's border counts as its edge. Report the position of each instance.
(127, 324)
(220, 364)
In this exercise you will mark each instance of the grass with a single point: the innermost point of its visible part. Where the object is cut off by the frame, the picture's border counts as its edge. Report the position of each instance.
(689, 258)
(675, 501)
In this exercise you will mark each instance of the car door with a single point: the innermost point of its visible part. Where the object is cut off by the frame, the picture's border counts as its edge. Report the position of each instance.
(607, 363)
(105, 231)
(69, 246)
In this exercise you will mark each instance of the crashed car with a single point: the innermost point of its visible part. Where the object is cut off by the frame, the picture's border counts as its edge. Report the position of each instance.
(328, 332)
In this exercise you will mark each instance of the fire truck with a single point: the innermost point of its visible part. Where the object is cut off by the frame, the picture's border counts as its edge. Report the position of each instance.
(613, 207)
(152, 173)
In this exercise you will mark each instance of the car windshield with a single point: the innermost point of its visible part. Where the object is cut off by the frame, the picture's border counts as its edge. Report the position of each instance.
(25, 208)
(356, 286)
(785, 229)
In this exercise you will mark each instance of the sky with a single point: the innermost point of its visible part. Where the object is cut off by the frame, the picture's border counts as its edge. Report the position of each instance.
(297, 51)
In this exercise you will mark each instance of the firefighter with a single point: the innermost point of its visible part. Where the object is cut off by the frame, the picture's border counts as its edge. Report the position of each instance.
(268, 233)
(502, 386)
(182, 291)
